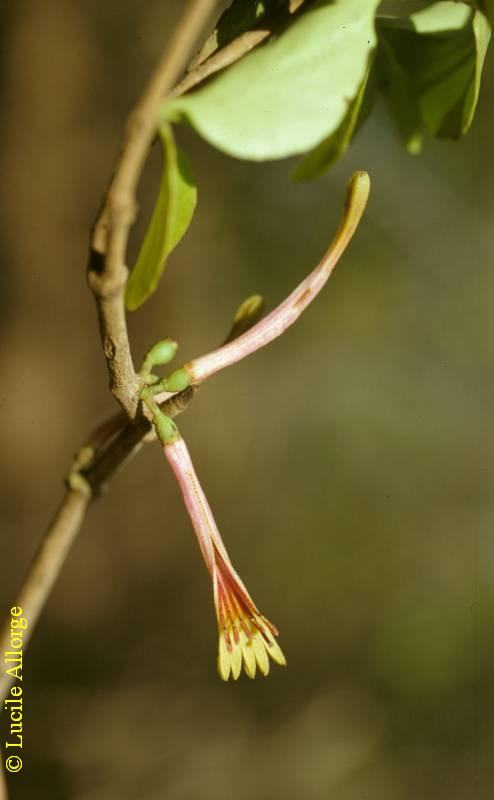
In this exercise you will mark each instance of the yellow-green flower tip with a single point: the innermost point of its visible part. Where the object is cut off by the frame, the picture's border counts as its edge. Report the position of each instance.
(251, 650)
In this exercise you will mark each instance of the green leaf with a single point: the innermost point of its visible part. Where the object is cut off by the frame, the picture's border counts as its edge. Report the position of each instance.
(449, 80)
(288, 95)
(433, 62)
(482, 33)
(171, 217)
(329, 151)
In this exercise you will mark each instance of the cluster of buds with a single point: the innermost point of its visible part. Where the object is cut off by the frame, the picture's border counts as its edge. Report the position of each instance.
(246, 637)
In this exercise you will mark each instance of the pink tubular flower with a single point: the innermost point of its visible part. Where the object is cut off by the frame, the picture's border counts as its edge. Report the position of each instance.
(245, 636)
(282, 317)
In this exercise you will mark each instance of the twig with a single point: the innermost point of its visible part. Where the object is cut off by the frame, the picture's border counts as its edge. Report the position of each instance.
(233, 51)
(46, 565)
(107, 270)
(236, 49)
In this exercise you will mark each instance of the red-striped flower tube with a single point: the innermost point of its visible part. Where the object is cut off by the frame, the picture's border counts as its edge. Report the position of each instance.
(246, 637)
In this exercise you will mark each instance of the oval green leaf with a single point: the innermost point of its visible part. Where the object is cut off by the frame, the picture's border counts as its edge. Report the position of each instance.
(433, 60)
(291, 93)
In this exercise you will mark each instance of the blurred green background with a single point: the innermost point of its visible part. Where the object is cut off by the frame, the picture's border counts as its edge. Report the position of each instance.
(349, 464)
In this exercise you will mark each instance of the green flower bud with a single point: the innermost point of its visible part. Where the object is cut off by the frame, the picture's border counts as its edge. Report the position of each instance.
(166, 429)
(161, 353)
(177, 381)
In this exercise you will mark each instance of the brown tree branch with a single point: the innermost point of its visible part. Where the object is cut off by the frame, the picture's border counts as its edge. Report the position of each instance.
(45, 567)
(233, 51)
(107, 269)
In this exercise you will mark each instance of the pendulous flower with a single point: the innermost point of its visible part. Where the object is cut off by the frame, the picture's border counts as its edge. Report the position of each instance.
(246, 637)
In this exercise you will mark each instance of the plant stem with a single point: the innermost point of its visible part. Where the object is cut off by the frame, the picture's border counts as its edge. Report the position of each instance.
(107, 270)
(203, 68)
(228, 55)
(45, 567)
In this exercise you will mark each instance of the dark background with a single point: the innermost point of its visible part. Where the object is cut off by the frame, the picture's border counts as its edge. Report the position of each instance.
(349, 464)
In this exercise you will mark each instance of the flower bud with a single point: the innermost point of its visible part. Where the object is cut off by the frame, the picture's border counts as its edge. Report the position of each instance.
(162, 352)
(177, 381)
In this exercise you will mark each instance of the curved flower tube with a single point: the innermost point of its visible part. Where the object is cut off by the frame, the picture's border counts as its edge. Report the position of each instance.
(275, 323)
(246, 637)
